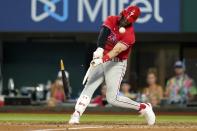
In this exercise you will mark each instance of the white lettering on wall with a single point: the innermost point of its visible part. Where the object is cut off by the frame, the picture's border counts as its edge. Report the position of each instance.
(149, 11)
(92, 12)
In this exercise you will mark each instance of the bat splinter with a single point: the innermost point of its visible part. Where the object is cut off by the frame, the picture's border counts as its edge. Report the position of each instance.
(87, 74)
(64, 79)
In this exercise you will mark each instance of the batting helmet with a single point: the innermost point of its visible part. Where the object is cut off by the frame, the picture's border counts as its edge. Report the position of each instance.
(131, 13)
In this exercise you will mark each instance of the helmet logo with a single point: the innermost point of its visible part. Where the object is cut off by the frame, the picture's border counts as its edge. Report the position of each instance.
(131, 13)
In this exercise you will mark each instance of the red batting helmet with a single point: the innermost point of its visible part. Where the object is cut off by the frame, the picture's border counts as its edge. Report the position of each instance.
(131, 13)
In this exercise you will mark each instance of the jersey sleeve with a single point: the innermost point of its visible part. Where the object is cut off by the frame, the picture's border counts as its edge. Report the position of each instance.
(109, 22)
(128, 40)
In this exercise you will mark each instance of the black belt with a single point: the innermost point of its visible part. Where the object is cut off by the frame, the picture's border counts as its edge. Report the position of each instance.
(116, 60)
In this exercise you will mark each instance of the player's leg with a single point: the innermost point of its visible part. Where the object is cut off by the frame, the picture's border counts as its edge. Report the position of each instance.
(95, 78)
(114, 73)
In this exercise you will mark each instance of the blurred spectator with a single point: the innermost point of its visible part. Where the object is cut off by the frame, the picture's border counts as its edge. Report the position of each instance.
(57, 93)
(180, 88)
(125, 89)
(100, 100)
(153, 92)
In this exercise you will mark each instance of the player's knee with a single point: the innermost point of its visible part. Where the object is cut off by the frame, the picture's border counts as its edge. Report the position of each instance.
(111, 99)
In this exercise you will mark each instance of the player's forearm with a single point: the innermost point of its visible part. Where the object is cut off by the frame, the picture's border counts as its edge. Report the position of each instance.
(115, 52)
(119, 47)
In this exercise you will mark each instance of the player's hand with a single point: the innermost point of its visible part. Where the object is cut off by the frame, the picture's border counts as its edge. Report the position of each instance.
(98, 54)
(96, 62)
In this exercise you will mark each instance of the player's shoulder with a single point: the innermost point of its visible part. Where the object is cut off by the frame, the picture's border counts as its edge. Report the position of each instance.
(110, 22)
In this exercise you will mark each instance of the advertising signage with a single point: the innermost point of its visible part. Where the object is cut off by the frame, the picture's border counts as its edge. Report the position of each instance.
(85, 15)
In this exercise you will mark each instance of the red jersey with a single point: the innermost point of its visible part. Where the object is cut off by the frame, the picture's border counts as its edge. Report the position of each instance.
(127, 38)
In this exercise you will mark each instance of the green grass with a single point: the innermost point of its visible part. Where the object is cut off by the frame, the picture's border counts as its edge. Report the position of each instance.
(11, 117)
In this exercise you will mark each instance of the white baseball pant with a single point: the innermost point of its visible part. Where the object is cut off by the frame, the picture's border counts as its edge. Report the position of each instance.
(113, 73)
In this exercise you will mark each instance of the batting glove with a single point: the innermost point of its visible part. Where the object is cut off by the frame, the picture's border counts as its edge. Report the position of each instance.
(96, 62)
(98, 54)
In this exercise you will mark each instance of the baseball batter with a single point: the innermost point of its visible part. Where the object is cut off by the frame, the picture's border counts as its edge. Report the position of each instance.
(115, 41)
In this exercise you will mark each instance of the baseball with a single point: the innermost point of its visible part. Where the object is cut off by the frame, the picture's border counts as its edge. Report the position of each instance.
(122, 30)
